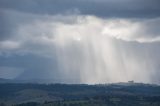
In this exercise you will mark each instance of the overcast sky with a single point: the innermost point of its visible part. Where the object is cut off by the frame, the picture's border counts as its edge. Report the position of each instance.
(80, 41)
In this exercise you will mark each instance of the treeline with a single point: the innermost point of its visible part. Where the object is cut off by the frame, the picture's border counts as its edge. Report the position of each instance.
(9, 88)
(102, 101)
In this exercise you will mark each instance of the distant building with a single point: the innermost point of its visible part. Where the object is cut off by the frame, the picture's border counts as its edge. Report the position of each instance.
(131, 81)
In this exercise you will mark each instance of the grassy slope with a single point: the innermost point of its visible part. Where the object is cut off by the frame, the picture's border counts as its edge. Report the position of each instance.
(137, 94)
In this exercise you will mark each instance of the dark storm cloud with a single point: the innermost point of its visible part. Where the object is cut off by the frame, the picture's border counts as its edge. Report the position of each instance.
(90, 40)
(4, 25)
(33, 66)
(102, 8)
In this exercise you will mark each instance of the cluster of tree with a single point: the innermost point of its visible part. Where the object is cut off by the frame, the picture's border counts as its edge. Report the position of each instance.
(102, 100)
(80, 95)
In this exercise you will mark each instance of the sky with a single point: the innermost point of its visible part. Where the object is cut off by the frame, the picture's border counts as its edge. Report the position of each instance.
(80, 41)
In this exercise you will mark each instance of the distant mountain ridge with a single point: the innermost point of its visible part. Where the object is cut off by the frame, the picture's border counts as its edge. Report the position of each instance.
(53, 81)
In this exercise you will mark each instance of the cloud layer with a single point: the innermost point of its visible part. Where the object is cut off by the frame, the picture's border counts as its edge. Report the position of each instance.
(142, 31)
(101, 8)
(74, 46)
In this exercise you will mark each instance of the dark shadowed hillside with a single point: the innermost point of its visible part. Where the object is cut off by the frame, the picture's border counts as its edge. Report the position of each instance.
(120, 94)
